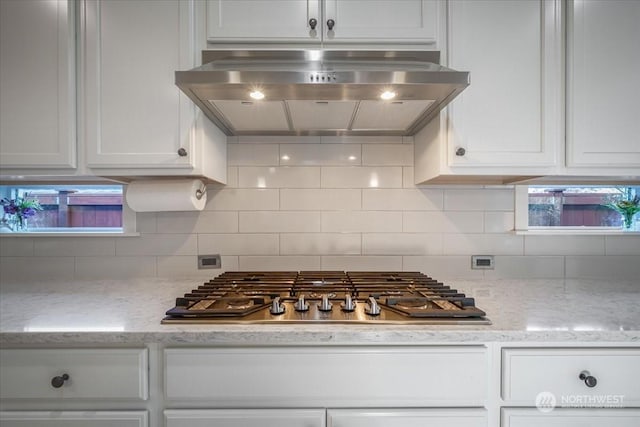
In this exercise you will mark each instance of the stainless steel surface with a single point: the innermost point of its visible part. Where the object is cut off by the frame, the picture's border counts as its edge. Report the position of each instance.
(349, 304)
(325, 305)
(222, 85)
(301, 304)
(372, 309)
(276, 307)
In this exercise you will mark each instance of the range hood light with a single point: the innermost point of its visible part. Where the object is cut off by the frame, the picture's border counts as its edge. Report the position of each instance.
(256, 94)
(387, 95)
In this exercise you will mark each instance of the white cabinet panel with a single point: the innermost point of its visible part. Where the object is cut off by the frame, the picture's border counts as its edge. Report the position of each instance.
(246, 418)
(259, 20)
(511, 113)
(134, 114)
(329, 376)
(398, 21)
(603, 63)
(571, 418)
(528, 372)
(406, 418)
(74, 419)
(37, 84)
(113, 374)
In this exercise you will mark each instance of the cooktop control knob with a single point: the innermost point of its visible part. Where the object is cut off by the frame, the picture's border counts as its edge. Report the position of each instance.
(348, 304)
(301, 305)
(325, 305)
(276, 307)
(372, 309)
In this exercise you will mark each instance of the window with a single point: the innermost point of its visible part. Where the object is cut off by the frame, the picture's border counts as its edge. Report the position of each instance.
(569, 207)
(68, 209)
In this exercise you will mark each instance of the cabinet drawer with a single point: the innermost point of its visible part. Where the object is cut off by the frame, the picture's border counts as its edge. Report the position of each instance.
(245, 418)
(406, 418)
(74, 419)
(119, 374)
(329, 376)
(571, 418)
(528, 372)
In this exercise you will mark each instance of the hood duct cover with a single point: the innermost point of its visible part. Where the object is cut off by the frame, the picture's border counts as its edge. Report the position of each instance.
(324, 92)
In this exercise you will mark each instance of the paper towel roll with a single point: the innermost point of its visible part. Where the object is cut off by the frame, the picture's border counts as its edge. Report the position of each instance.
(166, 195)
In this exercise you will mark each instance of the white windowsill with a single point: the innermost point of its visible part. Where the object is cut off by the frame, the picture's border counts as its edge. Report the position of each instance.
(576, 231)
(69, 232)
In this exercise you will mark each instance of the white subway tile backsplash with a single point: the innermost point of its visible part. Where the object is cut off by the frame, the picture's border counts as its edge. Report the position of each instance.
(279, 222)
(157, 244)
(187, 266)
(124, 267)
(499, 222)
(564, 245)
(361, 177)
(282, 263)
(21, 269)
(404, 199)
(361, 221)
(242, 199)
(320, 244)
(442, 267)
(622, 245)
(603, 267)
(279, 177)
(482, 244)
(442, 222)
(232, 177)
(252, 154)
(408, 180)
(479, 199)
(387, 154)
(75, 246)
(16, 246)
(402, 244)
(198, 222)
(146, 222)
(527, 267)
(238, 244)
(320, 199)
(320, 154)
(362, 263)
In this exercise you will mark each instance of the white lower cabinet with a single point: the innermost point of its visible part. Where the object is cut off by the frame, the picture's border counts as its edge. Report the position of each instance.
(74, 419)
(530, 417)
(246, 418)
(406, 418)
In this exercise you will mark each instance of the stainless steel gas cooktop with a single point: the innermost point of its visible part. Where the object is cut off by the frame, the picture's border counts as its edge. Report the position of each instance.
(281, 297)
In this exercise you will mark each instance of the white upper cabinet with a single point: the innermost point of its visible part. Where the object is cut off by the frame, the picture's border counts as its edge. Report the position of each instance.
(324, 21)
(603, 65)
(135, 121)
(259, 20)
(508, 122)
(395, 21)
(37, 84)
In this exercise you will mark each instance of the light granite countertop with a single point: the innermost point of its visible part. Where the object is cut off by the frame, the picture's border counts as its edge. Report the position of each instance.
(113, 312)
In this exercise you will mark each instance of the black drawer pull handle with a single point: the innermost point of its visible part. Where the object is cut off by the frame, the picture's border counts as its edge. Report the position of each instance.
(57, 382)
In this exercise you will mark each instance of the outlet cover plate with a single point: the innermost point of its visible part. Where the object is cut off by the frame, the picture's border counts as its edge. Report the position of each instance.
(209, 261)
(482, 262)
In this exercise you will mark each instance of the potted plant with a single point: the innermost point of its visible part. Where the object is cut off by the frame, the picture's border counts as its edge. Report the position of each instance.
(16, 211)
(626, 206)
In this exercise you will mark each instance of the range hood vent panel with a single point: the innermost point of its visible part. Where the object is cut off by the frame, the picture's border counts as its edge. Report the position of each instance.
(321, 92)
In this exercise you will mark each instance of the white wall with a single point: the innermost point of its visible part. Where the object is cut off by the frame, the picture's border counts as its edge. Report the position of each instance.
(320, 210)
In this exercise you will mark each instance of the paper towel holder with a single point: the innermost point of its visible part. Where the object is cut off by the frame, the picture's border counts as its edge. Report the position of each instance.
(201, 192)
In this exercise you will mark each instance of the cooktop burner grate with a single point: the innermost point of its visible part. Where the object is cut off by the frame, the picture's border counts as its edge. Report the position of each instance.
(325, 297)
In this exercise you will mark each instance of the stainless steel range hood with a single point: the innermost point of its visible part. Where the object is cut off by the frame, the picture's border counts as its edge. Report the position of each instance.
(307, 92)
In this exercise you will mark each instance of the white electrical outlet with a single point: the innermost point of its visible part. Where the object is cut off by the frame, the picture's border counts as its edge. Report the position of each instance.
(209, 261)
(482, 262)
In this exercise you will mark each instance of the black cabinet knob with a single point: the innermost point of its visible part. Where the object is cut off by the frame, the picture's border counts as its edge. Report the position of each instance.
(312, 23)
(460, 151)
(330, 24)
(57, 382)
(589, 380)
(182, 152)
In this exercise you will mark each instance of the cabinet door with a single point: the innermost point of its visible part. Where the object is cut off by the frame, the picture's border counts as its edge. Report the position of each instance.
(74, 419)
(406, 418)
(532, 417)
(134, 114)
(37, 84)
(511, 114)
(382, 21)
(246, 418)
(263, 21)
(603, 63)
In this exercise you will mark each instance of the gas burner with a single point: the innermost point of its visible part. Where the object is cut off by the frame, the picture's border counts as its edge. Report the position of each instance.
(310, 296)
